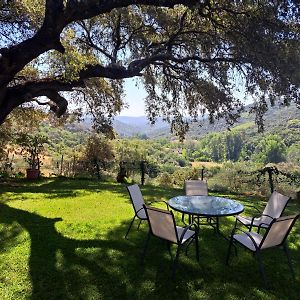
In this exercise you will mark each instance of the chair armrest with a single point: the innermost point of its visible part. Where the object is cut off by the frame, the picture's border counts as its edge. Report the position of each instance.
(267, 216)
(139, 210)
(252, 219)
(248, 234)
(185, 230)
(261, 225)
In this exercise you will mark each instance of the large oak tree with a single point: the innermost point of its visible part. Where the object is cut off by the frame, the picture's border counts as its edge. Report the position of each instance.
(192, 56)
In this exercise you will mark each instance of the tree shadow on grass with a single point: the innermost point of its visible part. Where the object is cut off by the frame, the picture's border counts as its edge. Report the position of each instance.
(65, 268)
(58, 187)
(49, 281)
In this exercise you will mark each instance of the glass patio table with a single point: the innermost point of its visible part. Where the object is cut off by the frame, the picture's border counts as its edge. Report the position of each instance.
(206, 206)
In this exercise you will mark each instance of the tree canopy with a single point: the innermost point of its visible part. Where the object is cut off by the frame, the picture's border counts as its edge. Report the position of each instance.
(192, 56)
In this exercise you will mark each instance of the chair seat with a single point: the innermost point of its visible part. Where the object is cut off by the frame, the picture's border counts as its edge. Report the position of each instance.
(189, 233)
(256, 222)
(245, 240)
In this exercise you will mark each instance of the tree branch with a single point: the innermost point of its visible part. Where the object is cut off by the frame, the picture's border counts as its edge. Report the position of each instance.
(59, 105)
(90, 42)
(117, 38)
(57, 16)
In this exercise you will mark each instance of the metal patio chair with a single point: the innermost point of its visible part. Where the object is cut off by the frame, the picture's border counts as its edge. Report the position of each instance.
(273, 209)
(162, 225)
(194, 188)
(275, 236)
(198, 188)
(137, 201)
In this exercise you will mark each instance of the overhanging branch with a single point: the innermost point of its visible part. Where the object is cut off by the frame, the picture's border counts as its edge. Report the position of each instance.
(59, 104)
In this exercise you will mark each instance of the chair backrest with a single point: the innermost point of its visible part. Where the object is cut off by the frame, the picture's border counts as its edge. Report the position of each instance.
(276, 205)
(162, 223)
(278, 231)
(196, 188)
(136, 197)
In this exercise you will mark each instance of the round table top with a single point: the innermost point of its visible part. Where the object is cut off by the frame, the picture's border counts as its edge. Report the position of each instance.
(210, 206)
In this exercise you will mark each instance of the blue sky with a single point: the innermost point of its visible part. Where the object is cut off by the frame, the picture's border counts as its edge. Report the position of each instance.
(135, 96)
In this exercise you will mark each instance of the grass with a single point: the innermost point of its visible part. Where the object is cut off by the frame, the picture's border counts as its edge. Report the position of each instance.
(205, 164)
(64, 239)
(244, 126)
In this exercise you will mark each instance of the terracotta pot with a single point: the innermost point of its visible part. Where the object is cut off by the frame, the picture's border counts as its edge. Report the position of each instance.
(32, 173)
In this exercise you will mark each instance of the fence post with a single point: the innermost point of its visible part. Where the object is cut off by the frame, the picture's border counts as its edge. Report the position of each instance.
(61, 164)
(271, 183)
(202, 173)
(142, 166)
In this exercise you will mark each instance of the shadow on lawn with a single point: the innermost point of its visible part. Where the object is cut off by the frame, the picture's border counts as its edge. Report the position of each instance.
(53, 188)
(60, 187)
(66, 268)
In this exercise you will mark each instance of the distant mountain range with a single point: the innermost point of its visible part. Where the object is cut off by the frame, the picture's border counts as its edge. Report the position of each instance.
(132, 126)
(275, 116)
(127, 126)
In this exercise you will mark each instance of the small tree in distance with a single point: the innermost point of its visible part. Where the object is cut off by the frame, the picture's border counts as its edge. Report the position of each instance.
(32, 147)
(271, 149)
(98, 153)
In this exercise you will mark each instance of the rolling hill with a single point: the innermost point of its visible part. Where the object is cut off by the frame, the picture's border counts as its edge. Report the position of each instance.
(276, 116)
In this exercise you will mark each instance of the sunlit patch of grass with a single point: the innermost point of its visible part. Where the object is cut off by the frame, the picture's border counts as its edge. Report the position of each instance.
(64, 239)
(244, 126)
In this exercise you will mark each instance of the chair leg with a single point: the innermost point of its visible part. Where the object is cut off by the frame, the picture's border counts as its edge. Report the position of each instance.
(217, 225)
(182, 217)
(236, 220)
(261, 268)
(130, 227)
(139, 224)
(235, 249)
(145, 247)
(286, 251)
(169, 248)
(197, 245)
(175, 261)
(229, 249)
(187, 246)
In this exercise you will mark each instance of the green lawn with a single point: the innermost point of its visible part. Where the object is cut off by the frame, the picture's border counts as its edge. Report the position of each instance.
(64, 239)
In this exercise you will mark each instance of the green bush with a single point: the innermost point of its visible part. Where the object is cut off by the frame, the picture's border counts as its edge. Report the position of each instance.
(19, 175)
(182, 174)
(165, 179)
(234, 177)
(4, 174)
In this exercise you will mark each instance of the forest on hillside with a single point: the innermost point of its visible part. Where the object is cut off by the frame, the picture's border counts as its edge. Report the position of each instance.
(72, 150)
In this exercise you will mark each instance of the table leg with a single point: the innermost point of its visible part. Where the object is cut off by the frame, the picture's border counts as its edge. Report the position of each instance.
(217, 225)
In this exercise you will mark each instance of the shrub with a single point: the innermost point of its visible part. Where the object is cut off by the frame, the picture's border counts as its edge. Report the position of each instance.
(234, 177)
(165, 179)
